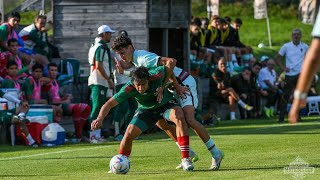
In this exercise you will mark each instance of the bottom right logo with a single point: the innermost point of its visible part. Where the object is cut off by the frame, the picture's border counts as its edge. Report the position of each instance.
(298, 169)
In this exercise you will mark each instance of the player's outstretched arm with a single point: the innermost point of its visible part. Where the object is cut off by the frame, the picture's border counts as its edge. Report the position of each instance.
(104, 111)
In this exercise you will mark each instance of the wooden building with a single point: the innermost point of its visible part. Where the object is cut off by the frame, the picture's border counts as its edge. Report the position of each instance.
(160, 26)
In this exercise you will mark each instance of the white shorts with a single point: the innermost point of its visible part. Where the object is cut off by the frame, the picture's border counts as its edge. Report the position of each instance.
(191, 99)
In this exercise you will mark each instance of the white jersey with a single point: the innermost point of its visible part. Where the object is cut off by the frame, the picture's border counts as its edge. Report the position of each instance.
(294, 56)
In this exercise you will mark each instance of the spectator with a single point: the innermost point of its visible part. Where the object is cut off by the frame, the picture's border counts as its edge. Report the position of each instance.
(7, 30)
(256, 89)
(294, 53)
(100, 79)
(79, 112)
(35, 39)
(242, 86)
(263, 60)
(13, 54)
(223, 89)
(267, 80)
(31, 90)
(310, 67)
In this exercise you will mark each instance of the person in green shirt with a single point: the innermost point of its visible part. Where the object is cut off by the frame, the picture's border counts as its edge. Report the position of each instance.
(143, 87)
(17, 116)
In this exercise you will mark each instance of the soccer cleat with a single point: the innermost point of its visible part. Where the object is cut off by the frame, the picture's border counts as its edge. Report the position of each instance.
(267, 111)
(216, 161)
(94, 140)
(187, 164)
(247, 107)
(34, 145)
(192, 156)
(18, 119)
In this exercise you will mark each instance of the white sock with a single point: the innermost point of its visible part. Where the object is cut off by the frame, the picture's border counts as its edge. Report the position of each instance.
(232, 115)
(241, 103)
(212, 147)
(97, 133)
(234, 60)
(30, 139)
(22, 114)
(116, 128)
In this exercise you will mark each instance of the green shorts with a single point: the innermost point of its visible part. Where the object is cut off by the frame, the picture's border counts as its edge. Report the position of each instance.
(147, 118)
(6, 115)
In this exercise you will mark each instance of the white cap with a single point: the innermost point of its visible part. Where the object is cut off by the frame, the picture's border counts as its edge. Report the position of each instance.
(263, 58)
(105, 28)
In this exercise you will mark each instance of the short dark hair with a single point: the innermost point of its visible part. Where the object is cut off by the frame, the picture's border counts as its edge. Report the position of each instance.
(40, 17)
(121, 42)
(238, 21)
(196, 21)
(140, 74)
(123, 33)
(11, 63)
(227, 18)
(37, 66)
(52, 64)
(12, 40)
(14, 14)
(257, 64)
(214, 17)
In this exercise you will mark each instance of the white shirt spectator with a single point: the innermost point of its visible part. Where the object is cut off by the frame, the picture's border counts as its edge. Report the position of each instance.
(265, 74)
(294, 56)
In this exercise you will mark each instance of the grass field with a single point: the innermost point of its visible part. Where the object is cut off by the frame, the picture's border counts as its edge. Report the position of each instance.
(254, 149)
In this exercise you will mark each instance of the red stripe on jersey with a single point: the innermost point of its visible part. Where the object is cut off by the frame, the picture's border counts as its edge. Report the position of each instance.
(157, 76)
(129, 88)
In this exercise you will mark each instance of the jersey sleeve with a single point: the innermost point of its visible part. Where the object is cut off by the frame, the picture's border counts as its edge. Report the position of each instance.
(99, 54)
(3, 33)
(127, 91)
(283, 50)
(150, 60)
(7, 84)
(27, 88)
(316, 27)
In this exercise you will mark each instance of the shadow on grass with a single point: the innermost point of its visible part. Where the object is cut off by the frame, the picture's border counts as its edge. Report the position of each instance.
(25, 175)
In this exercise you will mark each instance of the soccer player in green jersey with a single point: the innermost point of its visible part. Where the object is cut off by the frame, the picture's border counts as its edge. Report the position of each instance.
(143, 88)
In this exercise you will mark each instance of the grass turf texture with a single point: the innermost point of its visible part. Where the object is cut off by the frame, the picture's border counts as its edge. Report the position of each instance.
(254, 149)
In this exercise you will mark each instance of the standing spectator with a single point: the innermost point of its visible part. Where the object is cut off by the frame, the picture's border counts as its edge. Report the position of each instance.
(222, 88)
(294, 53)
(310, 67)
(267, 80)
(35, 39)
(100, 78)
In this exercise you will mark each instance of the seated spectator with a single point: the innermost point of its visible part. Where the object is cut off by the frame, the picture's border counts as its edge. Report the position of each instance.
(256, 89)
(13, 54)
(242, 86)
(264, 60)
(222, 88)
(267, 80)
(35, 39)
(11, 79)
(31, 90)
(9, 116)
(79, 112)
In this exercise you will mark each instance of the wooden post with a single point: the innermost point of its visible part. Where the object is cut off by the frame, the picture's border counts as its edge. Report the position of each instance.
(2, 11)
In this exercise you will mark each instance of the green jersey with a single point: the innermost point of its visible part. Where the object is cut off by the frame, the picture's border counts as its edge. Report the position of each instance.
(148, 100)
(7, 83)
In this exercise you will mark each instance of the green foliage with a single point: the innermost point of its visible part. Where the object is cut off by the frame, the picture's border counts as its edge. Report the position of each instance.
(254, 149)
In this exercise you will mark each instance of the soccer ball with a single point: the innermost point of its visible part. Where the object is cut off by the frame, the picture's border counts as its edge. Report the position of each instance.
(261, 45)
(119, 164)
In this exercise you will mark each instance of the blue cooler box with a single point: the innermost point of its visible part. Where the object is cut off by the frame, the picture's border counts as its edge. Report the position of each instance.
(53, 134)
(41, 110)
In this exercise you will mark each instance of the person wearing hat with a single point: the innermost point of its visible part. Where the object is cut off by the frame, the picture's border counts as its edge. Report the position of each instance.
(100, 79)
(264, 60)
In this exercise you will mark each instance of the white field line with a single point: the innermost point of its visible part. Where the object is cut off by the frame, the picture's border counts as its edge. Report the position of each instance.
(49, 153)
